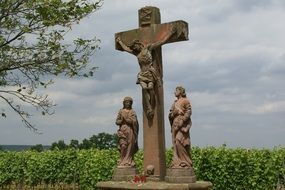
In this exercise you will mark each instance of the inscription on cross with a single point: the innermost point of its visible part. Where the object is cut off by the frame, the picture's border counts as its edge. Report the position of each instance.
(145, 43)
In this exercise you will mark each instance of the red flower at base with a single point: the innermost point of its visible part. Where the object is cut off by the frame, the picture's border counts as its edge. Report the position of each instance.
(139, 179)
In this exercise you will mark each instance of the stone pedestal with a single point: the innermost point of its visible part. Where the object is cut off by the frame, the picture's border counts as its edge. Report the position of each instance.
(153, 178)
(124, 174)
(180, 175)
(111, 185)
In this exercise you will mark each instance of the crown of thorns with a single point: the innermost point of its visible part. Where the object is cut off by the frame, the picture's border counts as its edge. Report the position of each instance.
(127, 98)
(134, 42)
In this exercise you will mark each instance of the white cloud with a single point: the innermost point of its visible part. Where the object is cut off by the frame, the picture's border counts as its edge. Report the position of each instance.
(234, 103)
(269, 107)
(98, 120)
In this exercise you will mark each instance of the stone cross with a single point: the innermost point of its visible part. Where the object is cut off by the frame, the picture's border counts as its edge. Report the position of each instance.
(151, 34)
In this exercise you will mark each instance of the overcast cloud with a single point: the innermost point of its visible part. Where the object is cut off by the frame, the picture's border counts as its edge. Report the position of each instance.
(232, 68)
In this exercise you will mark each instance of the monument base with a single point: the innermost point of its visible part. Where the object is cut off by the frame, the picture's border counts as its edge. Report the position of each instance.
(180, 175)
(111, 185)
(124, 174)
(153, 178)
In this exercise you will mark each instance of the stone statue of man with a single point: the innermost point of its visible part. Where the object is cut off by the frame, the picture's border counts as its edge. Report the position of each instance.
(180, 121)
(148, 76)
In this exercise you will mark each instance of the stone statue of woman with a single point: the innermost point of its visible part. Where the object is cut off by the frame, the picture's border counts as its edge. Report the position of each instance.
(127, 133)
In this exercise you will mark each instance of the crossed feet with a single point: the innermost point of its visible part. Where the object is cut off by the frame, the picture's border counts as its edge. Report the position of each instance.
(150, 114)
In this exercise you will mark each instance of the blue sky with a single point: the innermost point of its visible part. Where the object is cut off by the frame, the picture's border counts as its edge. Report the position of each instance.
(232, 68)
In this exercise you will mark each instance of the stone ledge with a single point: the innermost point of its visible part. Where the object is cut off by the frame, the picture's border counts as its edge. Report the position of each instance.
(180, 175)
(124, 174)
(110, 185)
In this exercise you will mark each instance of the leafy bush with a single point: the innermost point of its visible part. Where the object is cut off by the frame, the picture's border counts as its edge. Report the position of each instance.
(96, 165)
(240, 168)
(227, 169)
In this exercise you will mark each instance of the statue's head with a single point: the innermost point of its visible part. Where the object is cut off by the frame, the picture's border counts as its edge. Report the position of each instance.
(180, 91)
(128, 102)
(136, 46)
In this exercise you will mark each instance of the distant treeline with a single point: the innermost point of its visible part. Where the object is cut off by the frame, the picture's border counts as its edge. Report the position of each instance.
(99, 141)
(21, 147)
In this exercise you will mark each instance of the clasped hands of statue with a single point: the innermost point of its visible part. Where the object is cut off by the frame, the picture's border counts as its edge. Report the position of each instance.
(123, 121)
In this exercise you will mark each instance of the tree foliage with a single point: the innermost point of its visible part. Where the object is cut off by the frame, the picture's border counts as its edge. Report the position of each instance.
(104, 141)
(37, 148)
(59, 145)
(33, 50)
(99, 141)
(86, 144)
(74, 144)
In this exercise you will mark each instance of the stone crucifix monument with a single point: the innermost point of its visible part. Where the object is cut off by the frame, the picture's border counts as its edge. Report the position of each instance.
(145, 43)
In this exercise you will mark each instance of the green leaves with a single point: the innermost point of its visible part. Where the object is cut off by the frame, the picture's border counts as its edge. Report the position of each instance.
(96, 165)
(57, 12)
(227, 169)
(104, 141)
(33, 49)
(239, 168)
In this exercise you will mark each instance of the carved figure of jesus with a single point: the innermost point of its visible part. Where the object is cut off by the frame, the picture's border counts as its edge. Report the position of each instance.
(148, 76)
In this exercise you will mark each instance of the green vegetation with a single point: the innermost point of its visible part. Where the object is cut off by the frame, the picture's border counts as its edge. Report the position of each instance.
(230, 169)
(37, 147)
(227, 169)
(33, 50)
(99, 141)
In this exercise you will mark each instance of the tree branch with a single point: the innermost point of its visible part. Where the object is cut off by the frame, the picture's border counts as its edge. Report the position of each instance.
(20, 113)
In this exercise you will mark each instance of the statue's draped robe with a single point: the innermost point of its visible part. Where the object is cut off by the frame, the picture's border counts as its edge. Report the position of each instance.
(180, 120)
(128, 135)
